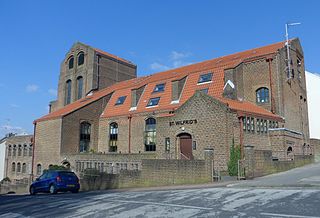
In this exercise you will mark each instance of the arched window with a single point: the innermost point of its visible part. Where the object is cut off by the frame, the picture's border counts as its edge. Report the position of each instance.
(14, 150)
(68, 92)
(113, 137)
(9, 150)
(18, 167)
(289, 150)
(19, 150)
(79, 87)
(13, 167)
(150, 134)
(30, 150)
(85, 131)
(24, 168)
(80, 58)
(25, 150)
(39, 170)
(262, 95)
(70, 62)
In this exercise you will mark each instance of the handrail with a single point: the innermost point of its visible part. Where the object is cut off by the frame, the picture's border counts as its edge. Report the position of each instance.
(185, 156)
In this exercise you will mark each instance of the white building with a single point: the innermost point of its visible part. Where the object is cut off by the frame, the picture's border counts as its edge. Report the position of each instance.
(313, 92)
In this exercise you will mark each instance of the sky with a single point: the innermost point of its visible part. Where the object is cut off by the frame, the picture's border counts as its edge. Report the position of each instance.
(155, 35)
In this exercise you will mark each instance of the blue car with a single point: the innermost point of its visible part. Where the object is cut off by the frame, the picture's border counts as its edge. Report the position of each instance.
(53, 181)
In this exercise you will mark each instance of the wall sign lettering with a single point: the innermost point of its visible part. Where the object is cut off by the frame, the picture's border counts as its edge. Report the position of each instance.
(182, 122)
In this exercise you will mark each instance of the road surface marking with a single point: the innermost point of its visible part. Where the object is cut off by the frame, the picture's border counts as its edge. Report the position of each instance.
(162, 204)
(288, 215)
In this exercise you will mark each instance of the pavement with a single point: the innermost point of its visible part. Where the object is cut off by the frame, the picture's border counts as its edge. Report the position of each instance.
(295, 193)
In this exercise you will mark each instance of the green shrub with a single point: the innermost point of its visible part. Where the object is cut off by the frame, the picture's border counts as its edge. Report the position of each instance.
(6, 179)
(235, 155)
(55, 167)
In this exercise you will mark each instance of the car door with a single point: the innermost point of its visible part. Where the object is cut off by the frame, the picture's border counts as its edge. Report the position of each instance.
(39, 186)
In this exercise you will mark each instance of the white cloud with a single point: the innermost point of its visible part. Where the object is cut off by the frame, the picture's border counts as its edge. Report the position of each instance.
(14, 106)
(158, 66)
(179, 55)
(4, 129)
(52, 92)
(175, 60)
(32, 88)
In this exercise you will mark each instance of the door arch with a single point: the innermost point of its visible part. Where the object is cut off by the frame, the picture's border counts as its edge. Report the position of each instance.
(185, 142)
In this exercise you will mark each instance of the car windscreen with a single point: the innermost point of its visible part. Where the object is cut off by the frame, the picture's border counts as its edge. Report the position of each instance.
(67, 174)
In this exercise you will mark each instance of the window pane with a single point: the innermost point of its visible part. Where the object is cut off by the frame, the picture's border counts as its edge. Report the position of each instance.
(159, 88)
(71, 60)
(205, 78)
(80, 85)
(81, 58)
(153, 102)
(121, 100)
(68, 92)
(262, 95)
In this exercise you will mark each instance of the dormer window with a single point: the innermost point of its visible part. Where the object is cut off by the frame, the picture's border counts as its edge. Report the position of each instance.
(205, 78)
(159, 88)
(153, 102)
(121, 100)
(71, 60)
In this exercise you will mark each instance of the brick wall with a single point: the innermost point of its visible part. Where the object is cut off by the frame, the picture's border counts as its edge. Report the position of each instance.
(153, 173)
(71, 126)
(47, 143)
(315, 144)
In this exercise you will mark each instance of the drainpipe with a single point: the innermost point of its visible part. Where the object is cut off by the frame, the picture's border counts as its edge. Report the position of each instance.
(129, 135)
(269, 60)
(241, 138)
(33, 149)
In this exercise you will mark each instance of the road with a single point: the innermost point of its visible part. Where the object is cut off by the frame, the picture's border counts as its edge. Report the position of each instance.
(297, 196)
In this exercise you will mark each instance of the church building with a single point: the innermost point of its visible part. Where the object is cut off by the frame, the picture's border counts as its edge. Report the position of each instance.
(105, 115)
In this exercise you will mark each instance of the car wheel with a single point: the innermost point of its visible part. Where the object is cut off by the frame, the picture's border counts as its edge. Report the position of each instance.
(32, 190)
(52, 189)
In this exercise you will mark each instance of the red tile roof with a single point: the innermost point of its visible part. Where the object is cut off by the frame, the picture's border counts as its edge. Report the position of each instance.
(215, 88)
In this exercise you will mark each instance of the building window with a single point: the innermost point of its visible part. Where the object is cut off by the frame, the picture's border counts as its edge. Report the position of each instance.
(30, 150)
(113, 137)
(244, 123)
(258, 125)
(25, 150)
(80, 58)
(79, 87)
(68, 92)
(292, 73)
(159, 88)
(265, 126)
(262, 95)
(14, 150)
(85, 131)
(18, 167)
(71, 60)
(19, 150)
(39, 170)
(205, 78)
(153, 102)
(121, 100)
(150, 135)
(13, 167)
(248, 124)
(167, 144)
(9, 150)
(252, 124)
(24, 168)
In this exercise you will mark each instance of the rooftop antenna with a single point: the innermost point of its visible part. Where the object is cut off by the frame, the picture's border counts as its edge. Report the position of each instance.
(288, 47)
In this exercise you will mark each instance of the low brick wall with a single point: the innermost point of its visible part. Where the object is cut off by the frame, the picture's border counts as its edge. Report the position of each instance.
(261, 163)
(154, 173)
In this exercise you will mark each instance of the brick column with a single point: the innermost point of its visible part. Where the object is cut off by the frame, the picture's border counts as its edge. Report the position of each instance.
(249, 161)
(209, 158)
